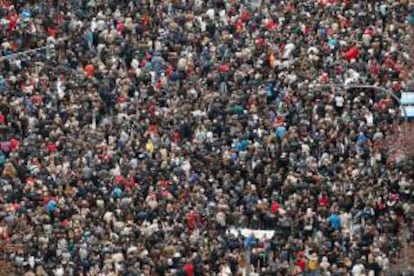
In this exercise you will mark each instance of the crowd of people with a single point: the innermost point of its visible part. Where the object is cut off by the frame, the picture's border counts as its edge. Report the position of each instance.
(136, 134)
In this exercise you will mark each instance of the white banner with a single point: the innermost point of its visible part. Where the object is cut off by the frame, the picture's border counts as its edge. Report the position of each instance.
(410, 110)
(407, 98)
(246, 232)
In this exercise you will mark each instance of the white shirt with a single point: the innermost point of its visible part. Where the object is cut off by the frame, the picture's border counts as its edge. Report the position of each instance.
(60, 89)
(94, 25)
(288, 50)
(59, 271)
(357, 270)
(225, 271)
(339, 101)
(370, 119)
(210, 13)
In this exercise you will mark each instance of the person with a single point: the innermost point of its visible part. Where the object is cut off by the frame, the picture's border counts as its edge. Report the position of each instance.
(136, 134)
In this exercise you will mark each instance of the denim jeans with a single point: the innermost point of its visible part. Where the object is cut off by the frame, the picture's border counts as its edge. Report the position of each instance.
(313, 273)
(223, 88)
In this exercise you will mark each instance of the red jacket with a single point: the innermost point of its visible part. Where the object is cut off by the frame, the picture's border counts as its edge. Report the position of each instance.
(189, 269)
